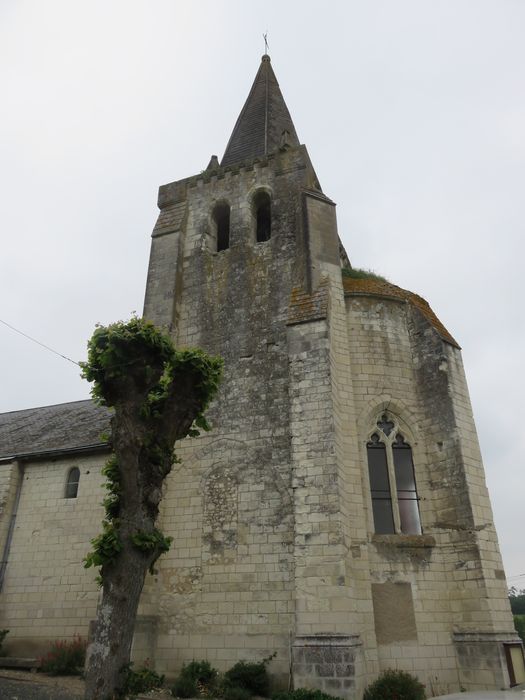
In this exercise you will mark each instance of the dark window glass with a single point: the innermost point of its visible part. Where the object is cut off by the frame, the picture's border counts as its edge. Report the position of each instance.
(72, 483)
(406, 487)
(221, 216)
(380, 487)
(263, 216)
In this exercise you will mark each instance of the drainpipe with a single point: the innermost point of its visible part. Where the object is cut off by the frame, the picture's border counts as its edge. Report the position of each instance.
(5, 555)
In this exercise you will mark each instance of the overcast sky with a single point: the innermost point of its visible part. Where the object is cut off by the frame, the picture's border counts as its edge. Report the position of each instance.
(413, 112)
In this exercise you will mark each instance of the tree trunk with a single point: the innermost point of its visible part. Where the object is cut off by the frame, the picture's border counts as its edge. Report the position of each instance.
(142, 437)
(110, 645)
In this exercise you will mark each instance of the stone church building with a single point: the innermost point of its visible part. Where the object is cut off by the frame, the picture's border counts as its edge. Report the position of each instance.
(337, 512)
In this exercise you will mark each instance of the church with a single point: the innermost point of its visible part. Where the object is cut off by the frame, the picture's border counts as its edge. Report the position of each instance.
(337, 512)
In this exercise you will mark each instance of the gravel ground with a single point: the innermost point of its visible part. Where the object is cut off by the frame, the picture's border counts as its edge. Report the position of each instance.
(16, 685)
(19, 685)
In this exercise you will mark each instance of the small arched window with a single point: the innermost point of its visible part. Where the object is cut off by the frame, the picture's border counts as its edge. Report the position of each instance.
(73, 479)
(221, 218)
(262, 209)
(395, 503)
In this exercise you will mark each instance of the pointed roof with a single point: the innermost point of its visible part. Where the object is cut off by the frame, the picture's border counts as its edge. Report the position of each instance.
(263, 121)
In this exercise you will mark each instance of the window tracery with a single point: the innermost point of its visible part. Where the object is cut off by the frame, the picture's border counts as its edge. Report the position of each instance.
(395, 502)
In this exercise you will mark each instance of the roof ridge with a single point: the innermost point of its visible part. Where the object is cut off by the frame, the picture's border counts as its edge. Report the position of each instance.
(51, 405)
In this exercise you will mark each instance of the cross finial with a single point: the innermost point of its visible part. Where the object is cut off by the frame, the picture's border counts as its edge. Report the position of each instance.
(265, 37)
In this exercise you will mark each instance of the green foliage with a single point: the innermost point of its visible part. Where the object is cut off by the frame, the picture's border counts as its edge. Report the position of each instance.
(134, 358)
(185, 688)
(303, 694)
(116, 349)
(234, 692)
(357, 273)
(196, 679)
(153, 541)
(111, 502)
(395, 684)
(148, 541)
(106, 547)
(137, 350)
(519, 624)
(201, 671)
(3, 635)
(65, 658)
(517, 601)
(141, 681)
(250, 675)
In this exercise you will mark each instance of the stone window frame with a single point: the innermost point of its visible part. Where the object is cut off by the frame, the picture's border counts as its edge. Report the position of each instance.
(218, 210)
(397, 428)
(72, 483)
(265, 193)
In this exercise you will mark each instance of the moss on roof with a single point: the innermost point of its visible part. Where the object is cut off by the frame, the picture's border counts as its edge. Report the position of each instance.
(361, 274)
(379, 287)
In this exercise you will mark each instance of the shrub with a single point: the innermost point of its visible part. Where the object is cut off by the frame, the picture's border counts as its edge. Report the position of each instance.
(3, 635)
(185, 688)
(195, 679)
(519, 624)
(141, 680)
(234, 692)
(250, 675)
(395, 685)
(303, 694)
(65, 658)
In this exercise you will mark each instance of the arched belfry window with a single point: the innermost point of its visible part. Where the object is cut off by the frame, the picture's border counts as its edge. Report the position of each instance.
(221, 220)
(73, 479)
(395, 503)
(262, 210)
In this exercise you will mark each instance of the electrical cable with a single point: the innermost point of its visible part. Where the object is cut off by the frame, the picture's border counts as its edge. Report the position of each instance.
(39, 343)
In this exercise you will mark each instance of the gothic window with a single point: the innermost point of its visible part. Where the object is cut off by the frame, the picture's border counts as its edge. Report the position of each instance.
(395, 503)
(73, 478)
(221, 218)
(262, 209)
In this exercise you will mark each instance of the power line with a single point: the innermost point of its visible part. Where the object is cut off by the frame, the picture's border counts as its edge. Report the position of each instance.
(65, 357)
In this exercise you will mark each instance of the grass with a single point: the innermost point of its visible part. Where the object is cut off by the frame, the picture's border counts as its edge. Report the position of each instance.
(358, 273)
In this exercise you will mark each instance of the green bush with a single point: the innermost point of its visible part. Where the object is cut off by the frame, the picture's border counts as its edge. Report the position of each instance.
(395, 685)
(3, 635)
(519, 624)
(234, 692)
(303, 694)
(250, 675)
(65, 658)
(141, 680)
(195, 679)
(185, 688)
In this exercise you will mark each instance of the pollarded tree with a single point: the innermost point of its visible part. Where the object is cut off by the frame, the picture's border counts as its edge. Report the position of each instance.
(159, 395)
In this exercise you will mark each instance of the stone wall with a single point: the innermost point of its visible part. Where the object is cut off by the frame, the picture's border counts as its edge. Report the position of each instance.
(274, 546)
(47, 594)
(401, 365)
(226, 588)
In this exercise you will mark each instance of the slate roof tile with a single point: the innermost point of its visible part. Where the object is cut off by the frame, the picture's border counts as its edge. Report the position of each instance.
(65, 426)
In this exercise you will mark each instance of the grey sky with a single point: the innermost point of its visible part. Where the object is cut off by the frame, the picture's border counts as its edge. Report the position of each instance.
(413, 113)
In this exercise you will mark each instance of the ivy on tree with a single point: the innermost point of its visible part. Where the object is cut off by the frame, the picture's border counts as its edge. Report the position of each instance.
(159, 395)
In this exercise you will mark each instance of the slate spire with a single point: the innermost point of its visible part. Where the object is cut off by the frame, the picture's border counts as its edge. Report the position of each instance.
(264, 124)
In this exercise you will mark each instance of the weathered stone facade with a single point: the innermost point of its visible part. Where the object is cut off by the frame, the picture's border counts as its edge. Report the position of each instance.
(272, 512)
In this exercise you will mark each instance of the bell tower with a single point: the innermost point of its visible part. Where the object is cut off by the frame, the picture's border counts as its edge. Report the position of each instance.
(315, 519)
